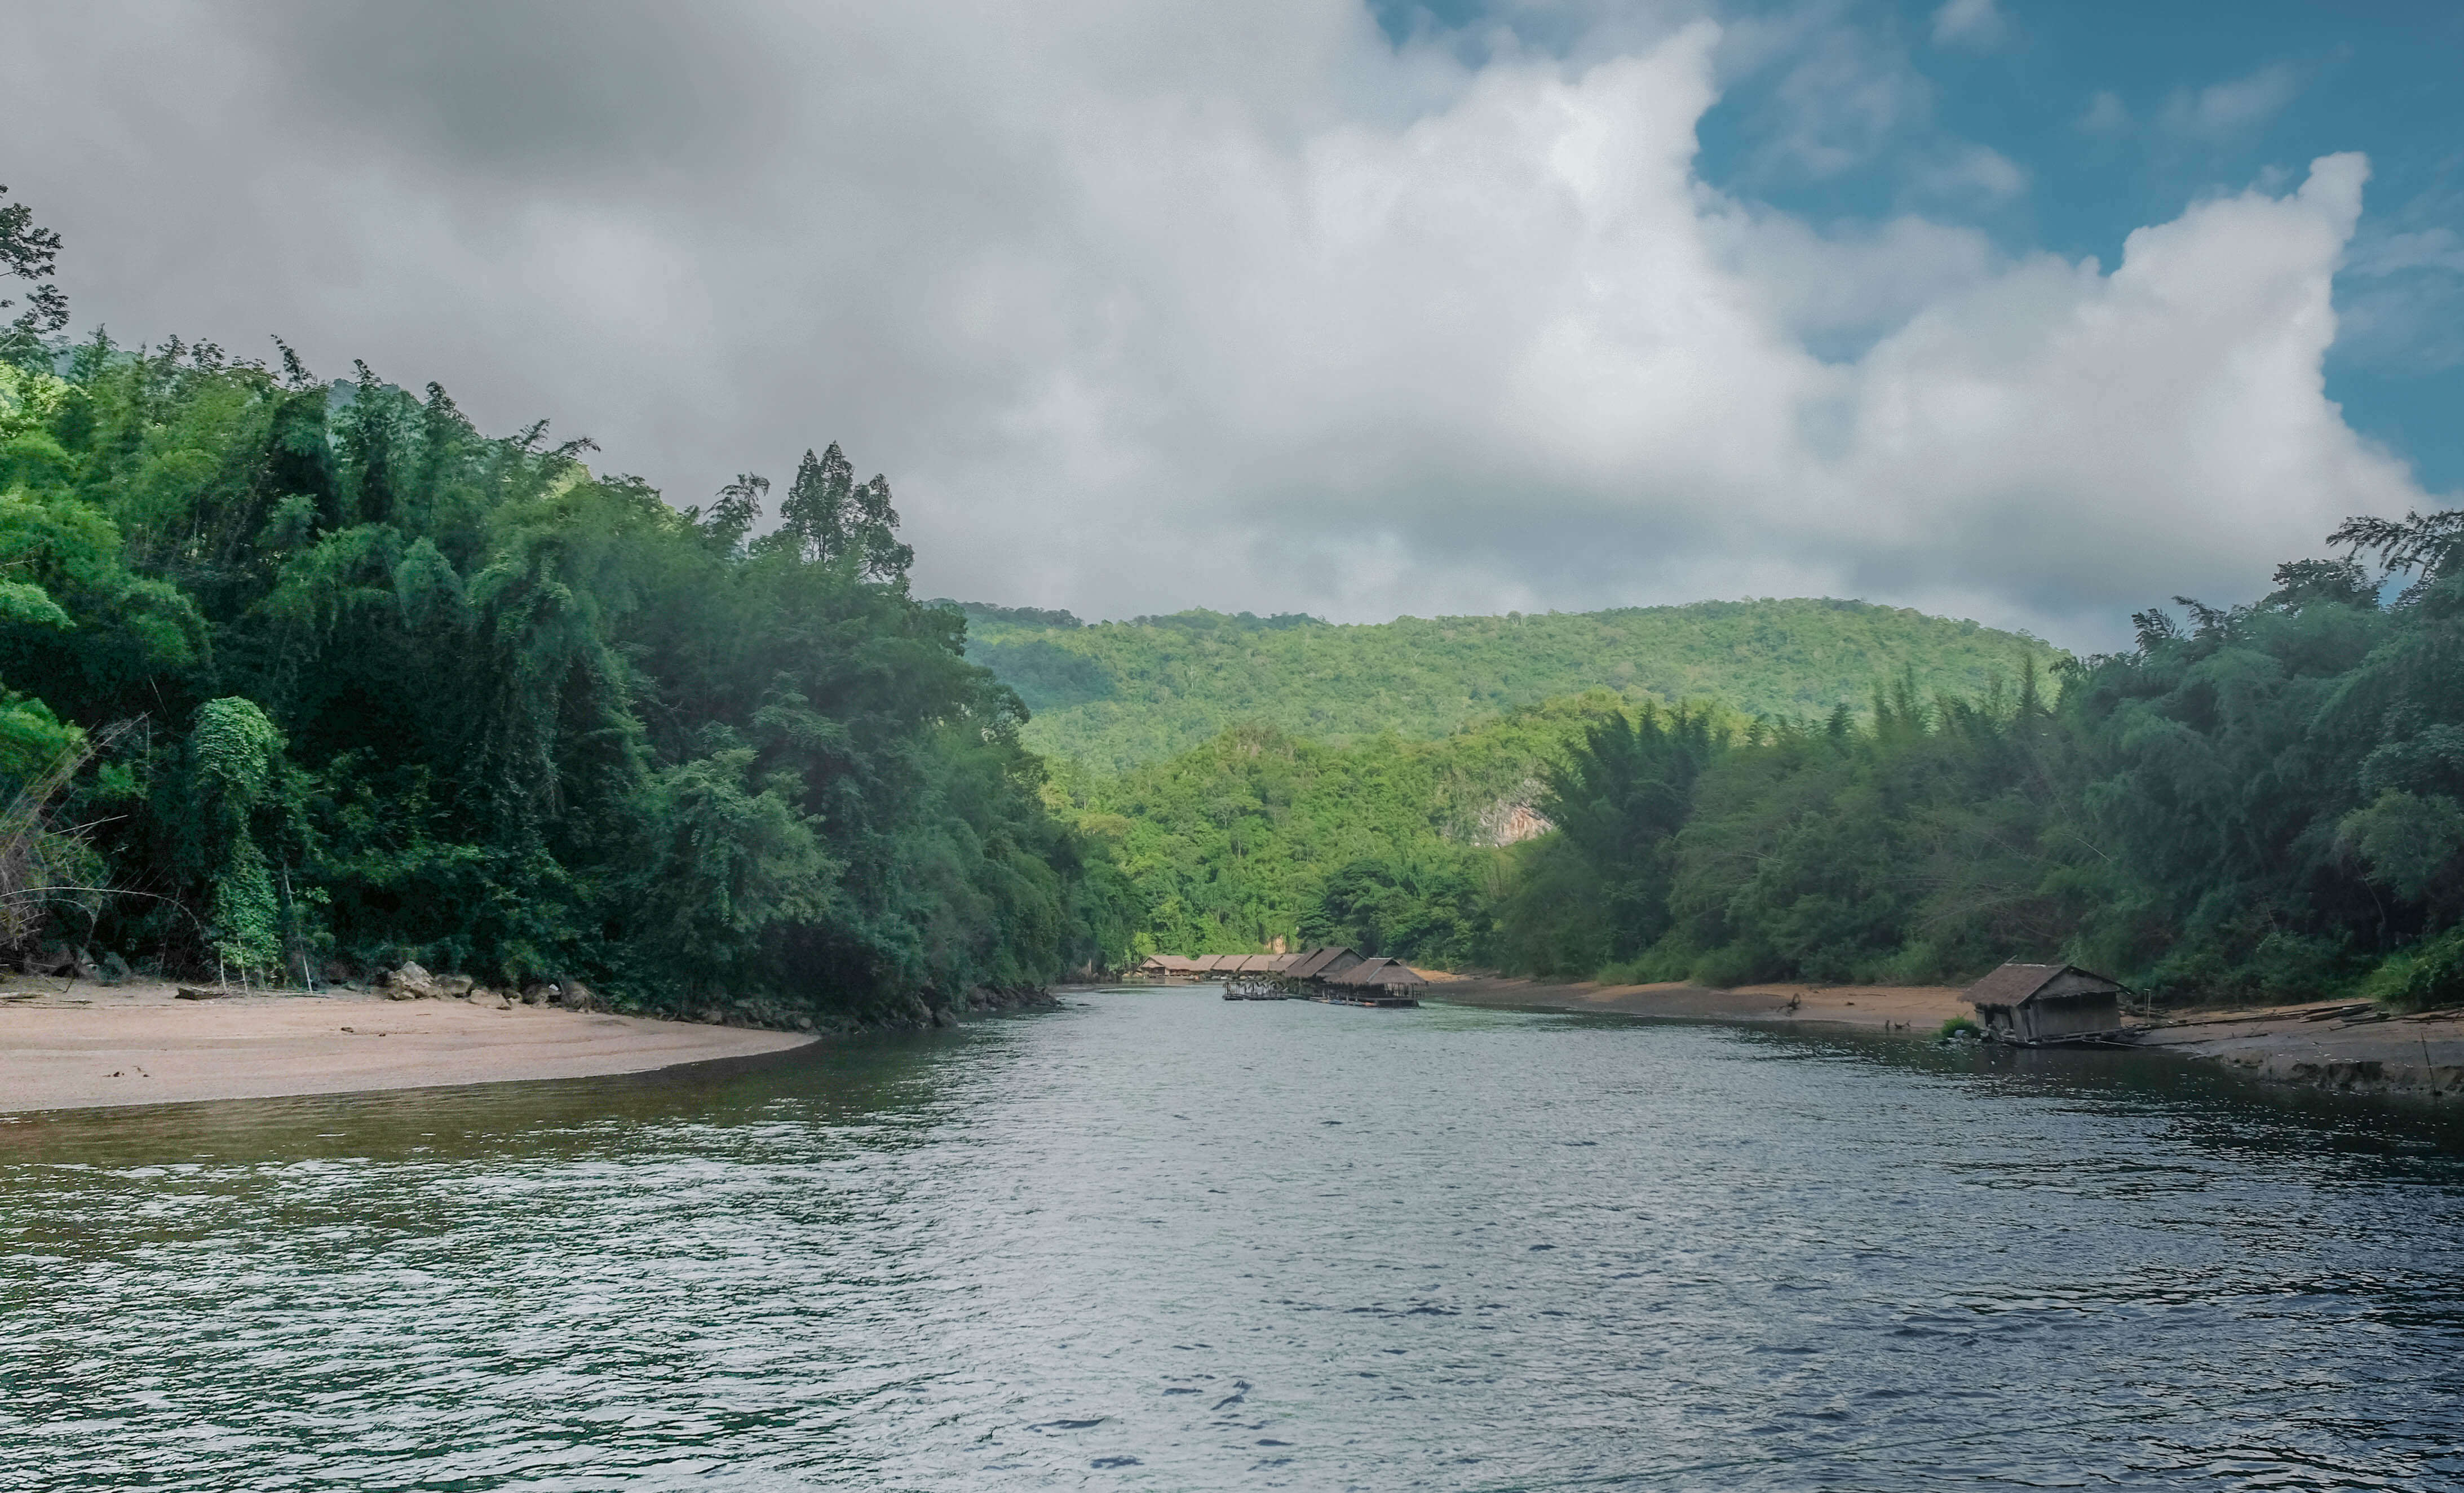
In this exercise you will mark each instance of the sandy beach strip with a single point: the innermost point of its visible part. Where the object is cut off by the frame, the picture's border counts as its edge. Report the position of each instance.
(2346, 1046)
(2343, 1046)
(1914, 1007)
(139, 1045)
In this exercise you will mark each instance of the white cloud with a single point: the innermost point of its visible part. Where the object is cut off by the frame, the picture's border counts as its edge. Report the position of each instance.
(1841, 103)
(2424, 248)
(2105, 115)
(1971, 25)
(1143, 308)
(2401, 300)
(1972, 171)
(2225, 111)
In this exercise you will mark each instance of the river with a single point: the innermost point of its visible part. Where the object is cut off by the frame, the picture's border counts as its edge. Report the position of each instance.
(1158, 1241)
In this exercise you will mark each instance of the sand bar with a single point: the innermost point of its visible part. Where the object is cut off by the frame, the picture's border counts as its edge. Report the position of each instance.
(2343, 1046)
(139, 1045)
(1915, 1007)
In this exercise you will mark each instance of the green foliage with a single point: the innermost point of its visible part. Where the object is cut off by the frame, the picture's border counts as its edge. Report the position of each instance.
(408, 690)
(29, 254)
(1114, 695)
(2263, 805)
(2410, 844)
(1256, 835)
(1618, 799)
(31, 739)
(233, 775)
(2428, 977)
(1431, 909)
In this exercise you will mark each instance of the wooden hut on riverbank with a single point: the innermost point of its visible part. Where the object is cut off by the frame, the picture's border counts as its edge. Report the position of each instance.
(2031, 1004)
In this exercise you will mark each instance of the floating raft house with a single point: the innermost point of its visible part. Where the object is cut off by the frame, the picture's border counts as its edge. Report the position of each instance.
(1376, 983)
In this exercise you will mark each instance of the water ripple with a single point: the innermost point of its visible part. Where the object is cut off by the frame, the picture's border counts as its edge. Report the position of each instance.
(1160, 1242)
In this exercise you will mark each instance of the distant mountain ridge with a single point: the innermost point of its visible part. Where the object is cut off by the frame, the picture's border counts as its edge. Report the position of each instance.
(1111, 696)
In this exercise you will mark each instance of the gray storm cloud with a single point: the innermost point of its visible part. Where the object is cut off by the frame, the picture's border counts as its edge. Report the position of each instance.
(1243, 307)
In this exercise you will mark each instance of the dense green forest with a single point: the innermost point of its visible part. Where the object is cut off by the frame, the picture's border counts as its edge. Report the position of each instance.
(1113, 695)
(300, 677)
(1385, 844)
(2265, 801)
(304, 676)
(2259, 802)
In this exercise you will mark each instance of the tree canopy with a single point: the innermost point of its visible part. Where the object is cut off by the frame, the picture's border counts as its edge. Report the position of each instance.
(396, 688)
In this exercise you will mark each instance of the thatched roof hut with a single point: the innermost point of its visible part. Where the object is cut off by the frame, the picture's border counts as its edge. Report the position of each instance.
(1388, 974)
(2046, 1002)
(1316, 963)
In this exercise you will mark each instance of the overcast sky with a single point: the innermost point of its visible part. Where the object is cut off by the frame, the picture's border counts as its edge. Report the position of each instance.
(1995, 308)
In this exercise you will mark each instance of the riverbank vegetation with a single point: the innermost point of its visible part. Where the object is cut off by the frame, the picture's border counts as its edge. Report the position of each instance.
(2265, 801)
(300, 676)
(363, 684)
(2259, 803)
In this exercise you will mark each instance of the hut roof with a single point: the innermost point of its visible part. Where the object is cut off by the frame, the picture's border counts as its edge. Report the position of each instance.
(2016, 984)
(1173, 963)
(1377, 972)
(1314, 963)
(1257, 964)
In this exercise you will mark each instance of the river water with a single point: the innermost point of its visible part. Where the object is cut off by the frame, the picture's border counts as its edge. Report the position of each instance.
(1157, 1240)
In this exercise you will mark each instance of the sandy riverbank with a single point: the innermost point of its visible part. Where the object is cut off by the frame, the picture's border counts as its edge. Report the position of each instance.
(2335, 1046)
(139, 1045)
(1915, 1007)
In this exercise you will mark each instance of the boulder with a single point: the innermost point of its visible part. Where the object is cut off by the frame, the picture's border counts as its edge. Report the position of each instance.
(451, 984)
(57, 960)
(577, 995)
(535, 995)
(410, 983)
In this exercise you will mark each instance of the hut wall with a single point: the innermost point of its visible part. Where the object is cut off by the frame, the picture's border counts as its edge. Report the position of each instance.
(2090, 1010)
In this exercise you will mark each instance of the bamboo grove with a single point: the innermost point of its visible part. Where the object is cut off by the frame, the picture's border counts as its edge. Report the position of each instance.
(359, 684)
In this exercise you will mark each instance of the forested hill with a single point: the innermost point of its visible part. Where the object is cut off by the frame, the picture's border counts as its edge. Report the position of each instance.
(1113, 695)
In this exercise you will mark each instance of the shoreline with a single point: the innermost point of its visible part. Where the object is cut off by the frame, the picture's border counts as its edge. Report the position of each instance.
(2337, 1046)
(91, 1047)
(1882, 1007)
